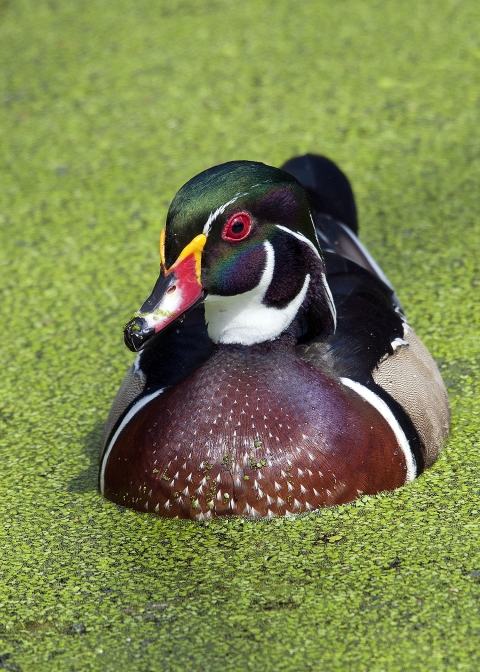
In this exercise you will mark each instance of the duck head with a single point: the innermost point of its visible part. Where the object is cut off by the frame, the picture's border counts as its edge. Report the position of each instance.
(240, 238)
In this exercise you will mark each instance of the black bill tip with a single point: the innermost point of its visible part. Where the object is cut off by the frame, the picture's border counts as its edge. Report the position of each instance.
(137, 333)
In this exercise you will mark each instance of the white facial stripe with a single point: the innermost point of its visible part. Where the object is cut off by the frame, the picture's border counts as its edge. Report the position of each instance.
(213, 215)
(133, 411)
(387, 414)
(244, 318)
(330, 301)
(219, 211)
(301, 237)
(367, 255)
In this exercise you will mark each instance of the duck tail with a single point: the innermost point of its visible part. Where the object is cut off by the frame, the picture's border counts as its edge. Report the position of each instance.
(334, 210)
(327, 186)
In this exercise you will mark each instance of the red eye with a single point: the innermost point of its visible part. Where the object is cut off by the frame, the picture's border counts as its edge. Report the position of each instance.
(238, 227)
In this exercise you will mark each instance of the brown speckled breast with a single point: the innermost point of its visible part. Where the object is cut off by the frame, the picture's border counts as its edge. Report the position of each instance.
(256, 433)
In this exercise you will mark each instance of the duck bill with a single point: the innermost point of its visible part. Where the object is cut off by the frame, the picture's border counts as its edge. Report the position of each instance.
(176, 290)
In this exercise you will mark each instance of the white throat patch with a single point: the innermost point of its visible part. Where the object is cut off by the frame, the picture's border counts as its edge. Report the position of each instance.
(243, 318)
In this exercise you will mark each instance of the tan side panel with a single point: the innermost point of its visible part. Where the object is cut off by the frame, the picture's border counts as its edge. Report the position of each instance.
(132, 386)
(412, 378)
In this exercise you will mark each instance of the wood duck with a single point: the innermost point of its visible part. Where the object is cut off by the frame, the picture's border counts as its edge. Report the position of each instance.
(262, 388)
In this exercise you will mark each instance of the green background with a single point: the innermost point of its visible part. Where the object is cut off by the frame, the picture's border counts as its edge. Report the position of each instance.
(107, 108)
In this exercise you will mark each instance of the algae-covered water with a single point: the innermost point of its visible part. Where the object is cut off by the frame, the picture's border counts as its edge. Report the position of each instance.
(106, 109)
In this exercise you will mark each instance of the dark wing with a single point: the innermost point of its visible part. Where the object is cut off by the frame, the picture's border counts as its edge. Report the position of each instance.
(368, 312)
(367, 322)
